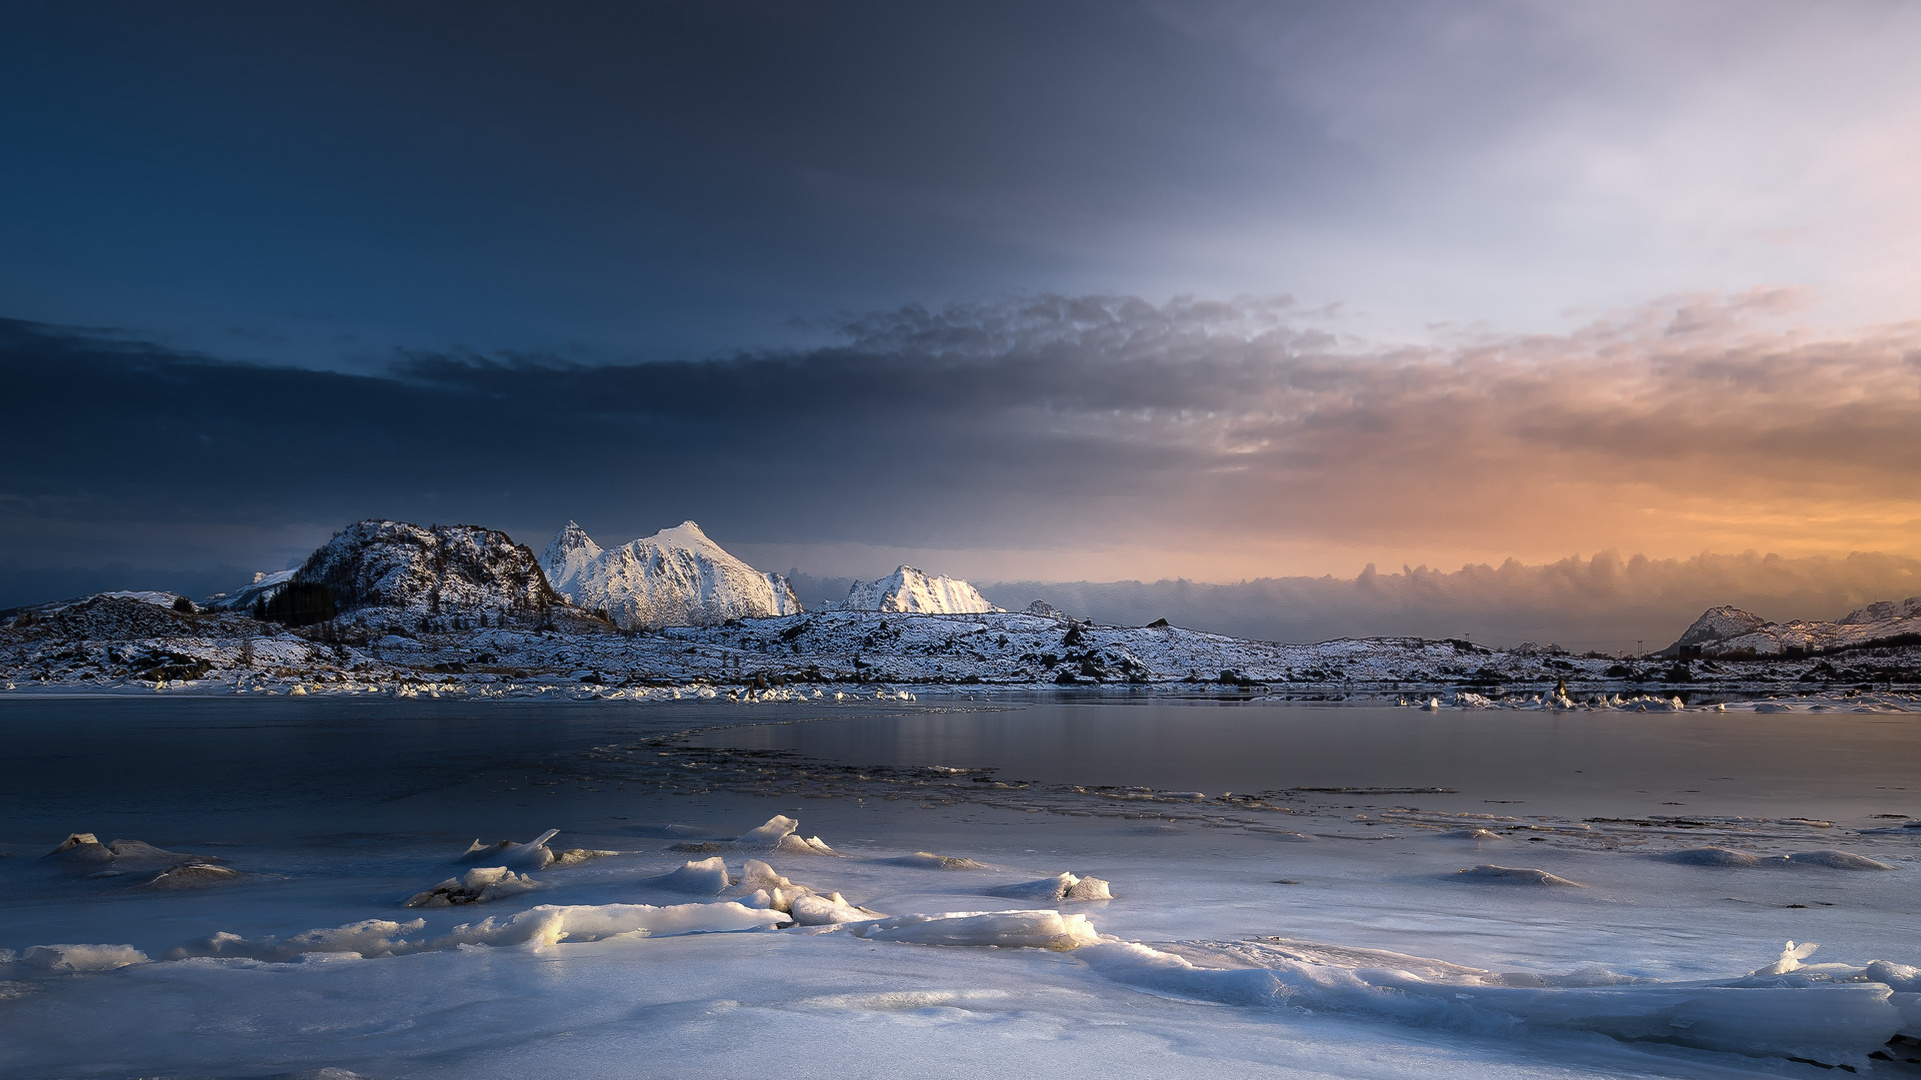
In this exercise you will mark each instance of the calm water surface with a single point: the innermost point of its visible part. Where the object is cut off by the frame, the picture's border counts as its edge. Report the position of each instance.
(1823, 764)
(119, 765)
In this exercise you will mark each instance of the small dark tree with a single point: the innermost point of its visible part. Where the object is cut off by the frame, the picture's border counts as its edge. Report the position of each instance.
(301, 603)
(183, 605)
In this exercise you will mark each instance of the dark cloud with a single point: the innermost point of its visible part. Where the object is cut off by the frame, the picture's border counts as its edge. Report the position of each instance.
(329, 180)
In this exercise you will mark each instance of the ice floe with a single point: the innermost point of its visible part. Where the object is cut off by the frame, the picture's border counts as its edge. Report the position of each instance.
(532, 855)
(778, 835)
(64, 959)
(707, 877)
(1008, 929)
(1826, 860)
(929, 861)
(84, 853)
(1065, 886)
(193, 875)
(1816, 1014)
(1514, 875)
(477, 886)
(541, 926)
(829, 910)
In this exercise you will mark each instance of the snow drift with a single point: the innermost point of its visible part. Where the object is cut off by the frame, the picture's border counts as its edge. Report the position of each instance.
(1786, 1009)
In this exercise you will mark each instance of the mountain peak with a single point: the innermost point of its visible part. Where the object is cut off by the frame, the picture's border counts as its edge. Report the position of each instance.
(687, 533)
(676, 577)
(1729, 631)
(912, 590)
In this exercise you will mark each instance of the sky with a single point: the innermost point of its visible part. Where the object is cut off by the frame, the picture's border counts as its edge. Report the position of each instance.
(1208, 292)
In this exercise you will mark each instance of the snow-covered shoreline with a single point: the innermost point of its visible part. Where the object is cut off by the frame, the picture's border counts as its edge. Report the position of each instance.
(135, 644)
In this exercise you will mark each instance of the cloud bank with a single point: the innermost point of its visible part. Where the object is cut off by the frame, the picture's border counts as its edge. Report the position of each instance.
(1044, 438)
(1605, 603)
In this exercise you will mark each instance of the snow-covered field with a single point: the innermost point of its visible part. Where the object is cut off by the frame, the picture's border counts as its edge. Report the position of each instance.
(724, 899)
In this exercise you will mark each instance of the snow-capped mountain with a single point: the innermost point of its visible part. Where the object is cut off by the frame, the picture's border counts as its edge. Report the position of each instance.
(1729, 631)
(265, 587)
(443, 571)
(911, 590)
(676, 577)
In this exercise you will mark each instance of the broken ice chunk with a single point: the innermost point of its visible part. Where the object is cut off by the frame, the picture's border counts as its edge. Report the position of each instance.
(829, 910)
(1835, 860)
(1008, 929)
(1515, 875)
(78, 848)
(758, 876)
(533, 855)
(770, 834)
(792, 844)
(476, 886)
(1713, 856)
(929, 860)
(576, 856)
(1791, 957)
(84, 850)
(1057, 888)
(71, 958)
(192, 875)
(707, 877)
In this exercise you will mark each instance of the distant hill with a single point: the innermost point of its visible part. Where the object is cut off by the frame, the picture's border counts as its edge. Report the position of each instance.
(1731, 632)
(391, 570)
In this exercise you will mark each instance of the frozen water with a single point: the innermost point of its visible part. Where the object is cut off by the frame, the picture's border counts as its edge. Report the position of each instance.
(1226, 954)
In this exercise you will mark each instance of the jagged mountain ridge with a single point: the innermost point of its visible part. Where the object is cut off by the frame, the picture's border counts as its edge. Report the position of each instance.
(676, 577)
(392, 568)
(912, 591)
(1729, 631)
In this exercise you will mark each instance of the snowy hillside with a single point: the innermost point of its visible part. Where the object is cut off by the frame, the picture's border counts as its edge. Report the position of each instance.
(264, 587)
(676, 577)
(911, 590)
(1731, 632)
(390, 570)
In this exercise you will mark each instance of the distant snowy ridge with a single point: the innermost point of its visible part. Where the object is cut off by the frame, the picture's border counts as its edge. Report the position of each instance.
(676, 577)
(265, 587)
(1729, 631)
(913, 591)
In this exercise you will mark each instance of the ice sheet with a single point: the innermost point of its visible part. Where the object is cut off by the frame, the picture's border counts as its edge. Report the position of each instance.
(1224, 953)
